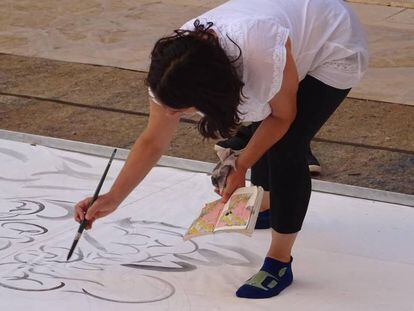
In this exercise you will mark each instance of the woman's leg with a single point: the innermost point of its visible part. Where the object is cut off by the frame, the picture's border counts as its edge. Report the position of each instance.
(283, 171)
(281, 246)
(260, 177)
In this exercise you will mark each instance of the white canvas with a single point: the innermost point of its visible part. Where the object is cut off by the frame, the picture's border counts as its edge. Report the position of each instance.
(352, 254)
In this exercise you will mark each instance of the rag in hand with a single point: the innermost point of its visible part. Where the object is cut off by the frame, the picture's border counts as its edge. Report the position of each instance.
(227, 161)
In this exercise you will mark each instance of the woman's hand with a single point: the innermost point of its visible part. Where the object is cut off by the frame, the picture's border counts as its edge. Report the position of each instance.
(104, 205)
(236, 179)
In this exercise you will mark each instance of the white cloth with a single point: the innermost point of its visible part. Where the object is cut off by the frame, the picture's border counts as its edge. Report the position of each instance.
(136, 260)
(328, 43)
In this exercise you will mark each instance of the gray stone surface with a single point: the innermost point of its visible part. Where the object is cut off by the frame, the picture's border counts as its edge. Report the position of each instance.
(122, 33)
(365, 143)
(391, 3)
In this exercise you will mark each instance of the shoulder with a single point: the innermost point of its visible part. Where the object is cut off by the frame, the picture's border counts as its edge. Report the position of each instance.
(264, 57)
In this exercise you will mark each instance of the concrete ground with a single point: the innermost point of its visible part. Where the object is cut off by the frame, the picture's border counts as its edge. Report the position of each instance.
(365, 143)
(122, 33)
(47, 86)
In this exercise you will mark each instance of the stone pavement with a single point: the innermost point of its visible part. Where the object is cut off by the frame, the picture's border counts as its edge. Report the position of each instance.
(365, 143)
(399, 3)
(46, 88)
(121, 34)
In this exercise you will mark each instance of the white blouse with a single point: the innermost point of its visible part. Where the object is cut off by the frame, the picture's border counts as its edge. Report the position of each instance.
(327, 40)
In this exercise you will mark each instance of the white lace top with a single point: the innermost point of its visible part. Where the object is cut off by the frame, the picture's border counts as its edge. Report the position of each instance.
(327, 43)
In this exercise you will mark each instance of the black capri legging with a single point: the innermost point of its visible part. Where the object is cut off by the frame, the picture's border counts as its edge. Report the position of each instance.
(283, 169)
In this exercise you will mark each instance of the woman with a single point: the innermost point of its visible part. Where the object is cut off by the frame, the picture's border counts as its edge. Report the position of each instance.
(286, 66)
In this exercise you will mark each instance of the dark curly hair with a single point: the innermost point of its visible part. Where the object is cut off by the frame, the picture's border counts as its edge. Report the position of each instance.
(191, 69)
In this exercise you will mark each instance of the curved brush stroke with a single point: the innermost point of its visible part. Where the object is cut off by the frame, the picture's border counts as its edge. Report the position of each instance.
(8, 217)
(169, 232)
(33, 290)
(24, 277)
(40, 206)
(137, 250)
(88, 269)
(94, 242)
(196, 247)
(10, 263)
(184, 267)
(128, 227)
(76, 161)
(14, 154)
(29, 240)
(7, 246)
(77, 256)
(23, 204)
(50, 187)
(100, 256)
(148, 222)
(66, 205)
(79, 253)
(213, 258)
(48, 254)
(19, 179)
(170, 292)
(159, 244)
(128, 223)
(68, 171)
(64, 278)
(194, 260)
(43, 230)
(150, 258)
(26, 197)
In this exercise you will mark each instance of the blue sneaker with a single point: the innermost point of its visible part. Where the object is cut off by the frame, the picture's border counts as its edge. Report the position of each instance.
(273, 277)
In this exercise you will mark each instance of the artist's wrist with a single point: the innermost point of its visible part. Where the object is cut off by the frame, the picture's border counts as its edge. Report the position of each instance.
(241, 165)
(115, 196)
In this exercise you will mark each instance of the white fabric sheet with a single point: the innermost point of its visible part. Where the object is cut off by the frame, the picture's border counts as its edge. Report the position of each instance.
(352, 254)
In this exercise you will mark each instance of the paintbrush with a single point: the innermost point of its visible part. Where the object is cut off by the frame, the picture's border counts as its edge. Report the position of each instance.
(95, 196)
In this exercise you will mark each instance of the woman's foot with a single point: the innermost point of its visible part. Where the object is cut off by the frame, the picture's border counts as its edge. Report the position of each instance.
(273, 277)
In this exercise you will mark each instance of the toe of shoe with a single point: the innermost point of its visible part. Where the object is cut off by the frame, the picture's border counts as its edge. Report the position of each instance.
(247, 291)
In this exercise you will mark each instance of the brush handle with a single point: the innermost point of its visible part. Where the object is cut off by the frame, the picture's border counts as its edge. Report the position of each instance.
(98, 189)
(95, 196)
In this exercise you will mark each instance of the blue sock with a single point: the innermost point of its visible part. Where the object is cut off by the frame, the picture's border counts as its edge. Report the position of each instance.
(273, 277)
(263, 220)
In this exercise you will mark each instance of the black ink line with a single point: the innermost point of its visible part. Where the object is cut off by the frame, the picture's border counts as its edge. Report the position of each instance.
(171, 291)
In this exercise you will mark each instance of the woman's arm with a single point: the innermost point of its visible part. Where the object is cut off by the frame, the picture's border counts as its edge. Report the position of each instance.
(275, 126)
(272, 129)
(146, 151)
(144, 154)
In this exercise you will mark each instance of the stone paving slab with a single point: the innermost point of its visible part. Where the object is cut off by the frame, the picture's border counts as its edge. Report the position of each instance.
(372, 123)
(358, 166)
(390, 33)
(93, 126)
(399, 3)
(122, 33)
(355, 146)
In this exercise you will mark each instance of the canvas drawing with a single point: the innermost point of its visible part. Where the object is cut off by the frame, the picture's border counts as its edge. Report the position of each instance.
(123, 253)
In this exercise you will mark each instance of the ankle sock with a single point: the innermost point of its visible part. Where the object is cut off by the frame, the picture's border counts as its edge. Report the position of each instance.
(273, 277)
(263, 220)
